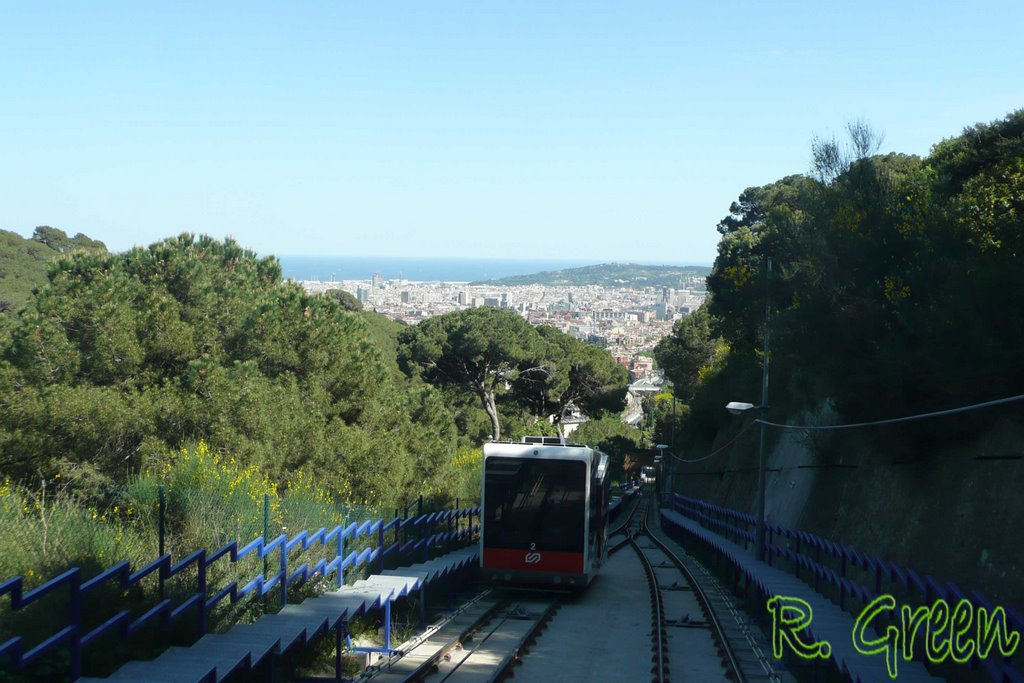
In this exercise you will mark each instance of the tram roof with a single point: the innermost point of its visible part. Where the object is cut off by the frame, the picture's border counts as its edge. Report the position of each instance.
(542, 451)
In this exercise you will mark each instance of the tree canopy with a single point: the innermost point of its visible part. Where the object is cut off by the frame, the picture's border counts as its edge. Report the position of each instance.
(24, 262)
(121, 357)
(496, 356)
(690, 348)
(895, 281)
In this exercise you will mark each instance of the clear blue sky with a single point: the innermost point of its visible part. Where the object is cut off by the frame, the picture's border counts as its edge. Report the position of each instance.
(597, 130)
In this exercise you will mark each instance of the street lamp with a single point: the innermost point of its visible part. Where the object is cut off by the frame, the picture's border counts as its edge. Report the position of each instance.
(737, 407)
(666, 469)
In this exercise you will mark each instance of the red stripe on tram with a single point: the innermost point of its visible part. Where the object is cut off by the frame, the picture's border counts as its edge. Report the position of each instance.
(533, 560)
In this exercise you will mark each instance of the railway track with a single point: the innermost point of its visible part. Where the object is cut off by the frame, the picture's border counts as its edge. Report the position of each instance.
(496, 645)
(696, 630)
(480, 643)
(693, 621)
(625, 525)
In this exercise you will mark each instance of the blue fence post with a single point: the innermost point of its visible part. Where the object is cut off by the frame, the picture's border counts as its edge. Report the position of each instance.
(380, 544)
(202, 592)
(284, 571)
(75, 613)
(341, 553)
(398, 523)
(266, 531)
(425, 538)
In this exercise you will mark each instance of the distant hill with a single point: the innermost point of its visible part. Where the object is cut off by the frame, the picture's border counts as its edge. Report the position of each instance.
(632, 275)
(24, 261)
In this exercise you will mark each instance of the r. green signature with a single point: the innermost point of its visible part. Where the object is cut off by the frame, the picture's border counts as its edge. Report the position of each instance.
(956, 634)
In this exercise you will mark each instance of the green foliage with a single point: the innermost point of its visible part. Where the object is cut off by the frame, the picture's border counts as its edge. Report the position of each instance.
(210, 500)
(58, 240)
(47, 529)
(122, 357)
(478, 350)
(690, 348)
(23, 262)
(511, 368)
(612, 436)
(572, 374)
(347, 301)
(895, 285)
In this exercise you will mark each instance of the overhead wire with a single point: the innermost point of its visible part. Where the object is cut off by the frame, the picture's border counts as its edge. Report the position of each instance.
(854, 425)
(895, 420)
(717, 450)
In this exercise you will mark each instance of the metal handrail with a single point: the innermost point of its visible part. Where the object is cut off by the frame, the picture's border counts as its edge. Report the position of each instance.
(73, 636)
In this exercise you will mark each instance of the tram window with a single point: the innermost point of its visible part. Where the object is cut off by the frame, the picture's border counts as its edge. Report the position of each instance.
(535, 504)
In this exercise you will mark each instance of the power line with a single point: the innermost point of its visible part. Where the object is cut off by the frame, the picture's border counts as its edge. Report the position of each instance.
(896, 420)
(717, 450)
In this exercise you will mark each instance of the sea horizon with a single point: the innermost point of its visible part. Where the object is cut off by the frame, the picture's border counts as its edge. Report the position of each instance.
(427, 269)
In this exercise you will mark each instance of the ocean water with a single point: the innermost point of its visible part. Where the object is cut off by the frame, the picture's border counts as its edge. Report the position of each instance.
(326, 268)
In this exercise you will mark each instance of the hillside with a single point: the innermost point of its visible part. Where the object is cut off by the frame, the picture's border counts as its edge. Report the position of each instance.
(633, 275)
(23, 261)
(893, 283)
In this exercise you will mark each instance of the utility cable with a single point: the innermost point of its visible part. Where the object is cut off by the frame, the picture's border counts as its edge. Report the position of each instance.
(717, 450)
(895, 420)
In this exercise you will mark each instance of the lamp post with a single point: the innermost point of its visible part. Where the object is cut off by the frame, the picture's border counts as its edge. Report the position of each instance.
(736, 408)
(664, 468)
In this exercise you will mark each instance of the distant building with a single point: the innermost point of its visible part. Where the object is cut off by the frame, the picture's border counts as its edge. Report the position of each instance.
(405, 297)
(492, 301)
(378, 281)
(363, 294)
(462, 298)
(646, 386)
(608, 314)
(641, 367)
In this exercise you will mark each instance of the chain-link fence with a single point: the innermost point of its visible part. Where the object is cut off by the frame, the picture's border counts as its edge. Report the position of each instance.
(194, 560)
(195, 544)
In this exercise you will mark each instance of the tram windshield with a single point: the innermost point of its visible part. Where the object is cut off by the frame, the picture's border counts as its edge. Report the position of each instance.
(535, 504)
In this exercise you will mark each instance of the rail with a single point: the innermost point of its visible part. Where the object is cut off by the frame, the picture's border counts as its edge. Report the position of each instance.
(709, 613)
(657, 608)
(842, 570)
(76, 635)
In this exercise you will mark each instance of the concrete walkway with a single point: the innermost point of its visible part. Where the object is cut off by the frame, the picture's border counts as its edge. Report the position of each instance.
(829, 622)
(604, 636)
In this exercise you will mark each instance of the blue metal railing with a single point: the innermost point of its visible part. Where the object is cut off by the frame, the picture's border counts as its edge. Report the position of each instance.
(842, 568)
(75, 637)
(629, 489)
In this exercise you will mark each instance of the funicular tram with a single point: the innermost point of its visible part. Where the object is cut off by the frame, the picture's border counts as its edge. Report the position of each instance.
(544, 513)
